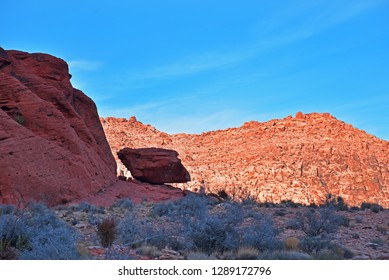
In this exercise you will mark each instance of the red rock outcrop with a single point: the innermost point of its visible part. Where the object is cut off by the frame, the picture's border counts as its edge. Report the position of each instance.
(136, 191)
(301, 159)
(52, 145)
(154, 165)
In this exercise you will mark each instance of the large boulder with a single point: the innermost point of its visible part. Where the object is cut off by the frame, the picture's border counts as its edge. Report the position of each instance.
(52, 145)
(154, 165)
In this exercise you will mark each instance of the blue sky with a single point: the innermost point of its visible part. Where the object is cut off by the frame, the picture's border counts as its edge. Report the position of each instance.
(194, 65)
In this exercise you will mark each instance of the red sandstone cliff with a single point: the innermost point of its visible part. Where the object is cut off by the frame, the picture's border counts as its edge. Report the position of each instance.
(52, 146)
(302, 159)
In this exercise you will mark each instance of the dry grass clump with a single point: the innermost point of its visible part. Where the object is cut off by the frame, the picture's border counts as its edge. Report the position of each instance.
(291, 243)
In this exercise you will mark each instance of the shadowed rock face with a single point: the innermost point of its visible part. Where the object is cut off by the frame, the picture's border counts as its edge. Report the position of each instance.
(154, 165)
(301, 158)
(52, 145)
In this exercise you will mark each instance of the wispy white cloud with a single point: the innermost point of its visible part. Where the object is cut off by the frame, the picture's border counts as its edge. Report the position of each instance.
(189, 114)
(289, 25)
(201, 121)
(193, 64)
(308, 19)
(128, 111)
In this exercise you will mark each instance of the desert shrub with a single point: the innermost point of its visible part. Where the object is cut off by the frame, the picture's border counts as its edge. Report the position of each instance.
(87, 208)
(323, 221)
(8, 253)
(135, 231)
(359, 219)
(94, 219)
(252, 214)
(130, 230)
(223, 194)
(290, 203)
(376, 208)
(226, 255)
(260, 233)
(280, 212)
(162, 209)
(125, 203)
(149, 251)
(190, 206)
(354, 209)
(323, 248)
(208, 234)
(117, 254)
(106, 231)
(193, 206)
(14, 235)
(233, 213)
(7, 209)
(328, 254)
(249, 201)
(355, 235)
(334, 252)
(284, 255)
(268, 204)
(343, 221)
(314, 244)
(199, 256)
(293, 224)
(365, 205)
(168, 234)
(49, 238)
(336, 202)
(218, 230)
(247, 253)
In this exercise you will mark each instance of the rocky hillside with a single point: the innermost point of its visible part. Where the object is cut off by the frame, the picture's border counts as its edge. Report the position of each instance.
(302, 158)
(52, 146)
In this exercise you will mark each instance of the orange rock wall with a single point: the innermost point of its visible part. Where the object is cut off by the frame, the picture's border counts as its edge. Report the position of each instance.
(300, 158)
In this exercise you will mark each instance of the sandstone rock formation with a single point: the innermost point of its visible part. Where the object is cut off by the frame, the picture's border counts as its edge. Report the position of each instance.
(154, 165)
(52, 145)
(300, 158)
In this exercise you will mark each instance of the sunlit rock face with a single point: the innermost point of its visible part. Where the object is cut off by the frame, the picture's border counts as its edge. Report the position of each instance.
(52, 145)
(302, 158)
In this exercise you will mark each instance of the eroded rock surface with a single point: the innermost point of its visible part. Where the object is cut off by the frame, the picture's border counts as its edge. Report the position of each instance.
(300, 158)
(52, 145)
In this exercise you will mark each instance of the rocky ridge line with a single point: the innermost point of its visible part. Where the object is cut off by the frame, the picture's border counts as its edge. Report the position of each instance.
(302, 158)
